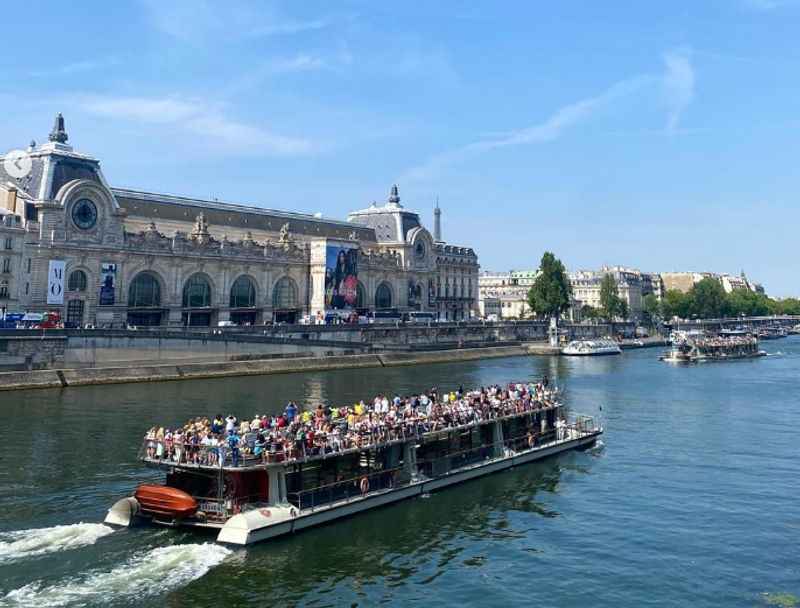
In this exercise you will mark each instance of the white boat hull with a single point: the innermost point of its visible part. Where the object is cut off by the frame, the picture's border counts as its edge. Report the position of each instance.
(255, 526)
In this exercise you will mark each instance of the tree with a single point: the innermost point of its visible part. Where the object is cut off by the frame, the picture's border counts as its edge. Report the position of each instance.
(611, 304)
(675, 303)
(589, 312)
(651, 308)
(709, 300)
(622, 308)
(748, 303)
(551, 293)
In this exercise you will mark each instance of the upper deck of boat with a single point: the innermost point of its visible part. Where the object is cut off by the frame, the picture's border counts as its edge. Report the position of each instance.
(267, 459)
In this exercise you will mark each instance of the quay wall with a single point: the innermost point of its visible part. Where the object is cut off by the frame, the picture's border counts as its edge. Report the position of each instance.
(189, 371)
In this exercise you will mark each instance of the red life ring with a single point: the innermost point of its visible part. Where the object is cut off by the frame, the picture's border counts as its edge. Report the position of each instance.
(364, 485)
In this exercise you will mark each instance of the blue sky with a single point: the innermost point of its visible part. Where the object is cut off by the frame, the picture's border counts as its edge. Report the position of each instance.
(663, 136)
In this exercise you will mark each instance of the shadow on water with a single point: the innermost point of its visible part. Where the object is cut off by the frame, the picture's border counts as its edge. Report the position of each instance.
(409, 543)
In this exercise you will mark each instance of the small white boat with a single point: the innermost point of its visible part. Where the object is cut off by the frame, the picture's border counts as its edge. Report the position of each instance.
(585, 348)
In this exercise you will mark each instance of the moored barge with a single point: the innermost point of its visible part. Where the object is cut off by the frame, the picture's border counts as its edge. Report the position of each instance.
(253, 494)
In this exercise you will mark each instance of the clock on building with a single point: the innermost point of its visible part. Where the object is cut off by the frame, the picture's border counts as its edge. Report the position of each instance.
(84, 214)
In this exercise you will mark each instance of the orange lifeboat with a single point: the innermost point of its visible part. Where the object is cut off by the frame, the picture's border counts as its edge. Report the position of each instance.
(165, 501)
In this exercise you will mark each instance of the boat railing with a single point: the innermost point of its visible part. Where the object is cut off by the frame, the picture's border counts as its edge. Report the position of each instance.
(166, 453)
(350, 489)
(358, 487)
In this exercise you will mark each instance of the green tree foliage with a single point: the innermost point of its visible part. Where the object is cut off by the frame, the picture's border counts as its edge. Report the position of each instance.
(589, 312)
(611, 305)
(748, 303)
(551, 293)
(651, 308)
(709, 300)
(675, 303)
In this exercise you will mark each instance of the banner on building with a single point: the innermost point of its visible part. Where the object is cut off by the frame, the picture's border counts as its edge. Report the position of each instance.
(341, 277)
(55, 282)
(108, 281)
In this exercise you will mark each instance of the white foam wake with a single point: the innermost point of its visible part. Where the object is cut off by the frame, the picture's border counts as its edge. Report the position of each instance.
(150, 574)
(28, 543)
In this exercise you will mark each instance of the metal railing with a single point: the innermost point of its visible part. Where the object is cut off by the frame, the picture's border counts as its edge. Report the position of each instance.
(297, 451)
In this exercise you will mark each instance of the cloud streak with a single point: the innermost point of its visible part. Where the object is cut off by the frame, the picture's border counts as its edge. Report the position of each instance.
(201, 20)
(205, 123)
(679, 83)
(548, 130)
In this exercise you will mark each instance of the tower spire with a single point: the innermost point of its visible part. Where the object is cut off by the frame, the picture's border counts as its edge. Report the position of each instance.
(437, 222)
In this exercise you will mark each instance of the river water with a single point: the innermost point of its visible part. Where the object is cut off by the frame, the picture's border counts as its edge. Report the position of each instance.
(692, 497)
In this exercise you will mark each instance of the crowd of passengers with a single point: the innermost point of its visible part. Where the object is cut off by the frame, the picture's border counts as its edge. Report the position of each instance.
(296, 434)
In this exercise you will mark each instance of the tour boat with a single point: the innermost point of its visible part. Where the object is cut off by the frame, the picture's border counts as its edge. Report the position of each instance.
(719, 348)
(279, 493)
(772, 332)
(585, 348)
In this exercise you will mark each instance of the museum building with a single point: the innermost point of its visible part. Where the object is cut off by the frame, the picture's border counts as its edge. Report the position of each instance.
(72, 244)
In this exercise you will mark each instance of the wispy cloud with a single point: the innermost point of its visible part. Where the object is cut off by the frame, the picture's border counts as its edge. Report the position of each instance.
(298, 63)
(767, 5)
(78, 67)
(197, 118)
(198, 20)
(679, 82)
(548, 130)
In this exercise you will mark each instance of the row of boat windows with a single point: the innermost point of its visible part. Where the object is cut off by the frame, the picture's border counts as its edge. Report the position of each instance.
(432, 454)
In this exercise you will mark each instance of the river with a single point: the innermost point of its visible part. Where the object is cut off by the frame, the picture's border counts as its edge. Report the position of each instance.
(692, 497)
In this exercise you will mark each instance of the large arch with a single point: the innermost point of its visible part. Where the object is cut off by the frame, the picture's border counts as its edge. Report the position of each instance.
(243, 292)
(284, 294)
(361, 296)
(77, 281)
(144, 299)
(197, 291)
(145, 291)
(197, 294)
(383, 296)
(243, 300)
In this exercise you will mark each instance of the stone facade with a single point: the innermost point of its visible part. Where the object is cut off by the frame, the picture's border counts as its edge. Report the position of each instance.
(505, 294)
(150, 259)
(586, 288)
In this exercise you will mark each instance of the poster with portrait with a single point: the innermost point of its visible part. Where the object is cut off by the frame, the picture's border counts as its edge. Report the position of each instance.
(108, 281)
(55, 282)
(341, 277)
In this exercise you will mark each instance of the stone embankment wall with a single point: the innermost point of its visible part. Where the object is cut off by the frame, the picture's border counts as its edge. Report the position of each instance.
(155, 373)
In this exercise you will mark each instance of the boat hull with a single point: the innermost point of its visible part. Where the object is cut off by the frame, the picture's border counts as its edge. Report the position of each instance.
(263, 524)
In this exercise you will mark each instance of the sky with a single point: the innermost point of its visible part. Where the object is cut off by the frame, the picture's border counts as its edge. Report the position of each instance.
(660, 136)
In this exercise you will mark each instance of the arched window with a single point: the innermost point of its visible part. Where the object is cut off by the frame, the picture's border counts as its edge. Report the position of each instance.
(361, 296)
(197, 292)
(243, 293)
(383, 296)
(144, 292)
(77, 281)
(284, 296)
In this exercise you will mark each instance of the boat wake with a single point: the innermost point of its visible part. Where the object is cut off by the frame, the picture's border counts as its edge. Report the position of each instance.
(145, 575)
(22, 544)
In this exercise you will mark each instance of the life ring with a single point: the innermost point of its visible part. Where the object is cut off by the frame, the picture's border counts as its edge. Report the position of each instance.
(364, 485)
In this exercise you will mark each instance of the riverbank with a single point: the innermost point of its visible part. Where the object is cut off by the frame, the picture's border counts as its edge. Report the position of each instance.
(63, 378)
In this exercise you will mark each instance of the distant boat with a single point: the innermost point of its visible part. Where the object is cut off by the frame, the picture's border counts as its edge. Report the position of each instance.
(588, 348)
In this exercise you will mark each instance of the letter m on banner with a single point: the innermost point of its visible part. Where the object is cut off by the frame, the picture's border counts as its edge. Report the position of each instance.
(55, 282)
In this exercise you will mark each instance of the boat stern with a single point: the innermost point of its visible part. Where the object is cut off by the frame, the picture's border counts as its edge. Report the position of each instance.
(258, 524)
(123, 512)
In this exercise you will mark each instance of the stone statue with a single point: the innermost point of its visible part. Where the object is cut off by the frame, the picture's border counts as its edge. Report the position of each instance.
(59, 134)
(284, 236)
